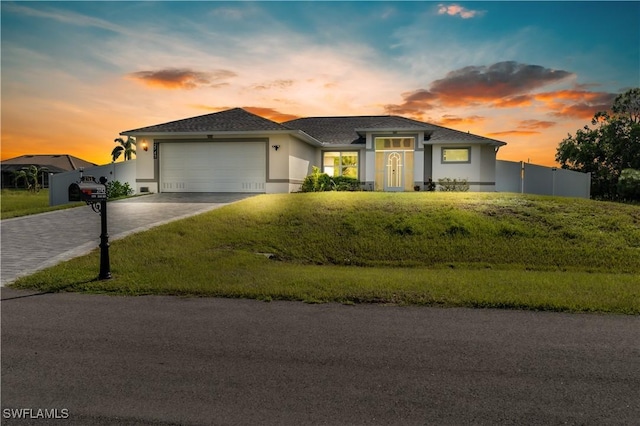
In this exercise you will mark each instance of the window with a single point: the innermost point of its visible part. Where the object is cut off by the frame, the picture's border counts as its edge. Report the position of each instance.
(456, 155)
(341, 164)
(395, 144)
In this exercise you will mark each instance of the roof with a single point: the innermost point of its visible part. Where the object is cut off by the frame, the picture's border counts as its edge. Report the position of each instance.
(317, 130)
(236, 119)
(54, 162)
(342, 130)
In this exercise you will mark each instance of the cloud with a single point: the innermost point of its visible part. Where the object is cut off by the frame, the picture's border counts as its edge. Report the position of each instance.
(503, 84)
(274, 84)
(457, 10)
(513, 133)
(453, 121)
(580, 104)
(271, 114)
(182, 78)
(500, 80)
(535, 124)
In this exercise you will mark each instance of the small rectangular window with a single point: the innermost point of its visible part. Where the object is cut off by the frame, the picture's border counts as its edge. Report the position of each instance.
(456, 155)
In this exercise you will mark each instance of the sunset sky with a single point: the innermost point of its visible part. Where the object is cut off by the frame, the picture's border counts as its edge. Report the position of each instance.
(76, 74)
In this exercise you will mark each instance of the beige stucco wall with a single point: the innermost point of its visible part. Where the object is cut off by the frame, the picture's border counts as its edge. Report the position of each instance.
(145, 165)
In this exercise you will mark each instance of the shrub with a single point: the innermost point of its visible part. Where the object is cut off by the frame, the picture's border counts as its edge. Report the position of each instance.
(318, 182)
(629, 185)
(116, 189)
(453, 185)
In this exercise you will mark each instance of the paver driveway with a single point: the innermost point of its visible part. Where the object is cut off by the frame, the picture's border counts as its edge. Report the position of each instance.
(31, 243)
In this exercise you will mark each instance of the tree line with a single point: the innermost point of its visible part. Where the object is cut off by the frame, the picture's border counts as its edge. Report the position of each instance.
(610, 150)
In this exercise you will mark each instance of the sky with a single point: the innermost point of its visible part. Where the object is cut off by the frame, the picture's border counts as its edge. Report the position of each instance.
(76, 74)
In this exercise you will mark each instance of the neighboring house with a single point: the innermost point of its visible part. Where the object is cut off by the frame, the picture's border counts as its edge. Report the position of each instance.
(237, 151)
(53, 163)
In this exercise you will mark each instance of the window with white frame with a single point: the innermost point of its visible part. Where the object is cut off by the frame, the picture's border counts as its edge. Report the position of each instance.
(456, 155)
(340, 163)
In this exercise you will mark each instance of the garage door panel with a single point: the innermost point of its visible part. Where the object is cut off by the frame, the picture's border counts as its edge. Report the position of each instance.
(213, 167)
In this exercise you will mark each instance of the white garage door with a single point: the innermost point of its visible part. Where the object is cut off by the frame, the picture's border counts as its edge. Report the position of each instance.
(212, 167)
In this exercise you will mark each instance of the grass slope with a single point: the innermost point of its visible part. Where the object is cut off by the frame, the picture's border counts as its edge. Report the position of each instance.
(452, 249)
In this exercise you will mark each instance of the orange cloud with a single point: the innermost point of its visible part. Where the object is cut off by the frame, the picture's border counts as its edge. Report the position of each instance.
(514, 133)
(580, 104)
(515, 101)
(271, 114)
(535, 124)
(452, 120)
(182, 78)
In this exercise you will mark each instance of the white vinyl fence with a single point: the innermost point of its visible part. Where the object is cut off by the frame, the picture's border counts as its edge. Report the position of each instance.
(533, 179)
(124, 172)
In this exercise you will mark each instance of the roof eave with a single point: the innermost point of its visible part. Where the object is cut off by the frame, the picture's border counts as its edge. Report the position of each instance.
(298, 133)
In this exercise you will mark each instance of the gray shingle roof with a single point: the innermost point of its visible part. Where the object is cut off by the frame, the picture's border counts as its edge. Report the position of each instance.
(55, 162)
(344, 130)
(327, 130)
(347, 130)
(236, 119)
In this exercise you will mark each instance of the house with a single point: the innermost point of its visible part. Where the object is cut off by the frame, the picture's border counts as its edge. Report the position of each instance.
(237, 151)
(53, 163)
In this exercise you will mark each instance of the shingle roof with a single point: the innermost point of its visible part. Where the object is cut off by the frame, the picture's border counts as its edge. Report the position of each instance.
(59, 162)
(344, 130)
(326, 130)
(236, 119)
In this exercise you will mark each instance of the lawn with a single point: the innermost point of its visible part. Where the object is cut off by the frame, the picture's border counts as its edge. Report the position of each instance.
(20, 202)
(445, 249)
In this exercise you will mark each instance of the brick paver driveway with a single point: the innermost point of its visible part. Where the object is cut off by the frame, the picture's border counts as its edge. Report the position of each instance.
(36, 242)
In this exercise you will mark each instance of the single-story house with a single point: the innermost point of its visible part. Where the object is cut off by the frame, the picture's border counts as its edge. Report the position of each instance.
(237, 151)
(54, 163)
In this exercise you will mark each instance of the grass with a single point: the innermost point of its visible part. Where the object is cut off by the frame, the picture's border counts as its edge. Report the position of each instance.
(20, 202)
(445, 249)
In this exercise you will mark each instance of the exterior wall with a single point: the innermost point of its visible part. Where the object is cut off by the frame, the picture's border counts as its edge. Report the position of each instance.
(145, 167)
(469, 171)
(124, 172)
(302, 158)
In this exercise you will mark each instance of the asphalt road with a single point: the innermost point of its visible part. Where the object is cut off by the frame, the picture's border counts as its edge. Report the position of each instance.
(165, 360)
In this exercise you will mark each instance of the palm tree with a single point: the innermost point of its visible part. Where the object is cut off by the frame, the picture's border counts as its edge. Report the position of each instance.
(128, 147)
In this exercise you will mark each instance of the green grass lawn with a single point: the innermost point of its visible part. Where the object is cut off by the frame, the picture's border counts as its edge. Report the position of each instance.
(445, 249)
(20, 202)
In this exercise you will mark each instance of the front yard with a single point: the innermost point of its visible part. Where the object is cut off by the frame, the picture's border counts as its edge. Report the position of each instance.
(446, 249)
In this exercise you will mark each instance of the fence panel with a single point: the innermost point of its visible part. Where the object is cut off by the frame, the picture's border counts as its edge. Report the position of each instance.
(508, 176)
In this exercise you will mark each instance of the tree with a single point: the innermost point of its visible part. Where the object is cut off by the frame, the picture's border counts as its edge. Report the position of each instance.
(30, 176)
(607, 149)
(127, 147)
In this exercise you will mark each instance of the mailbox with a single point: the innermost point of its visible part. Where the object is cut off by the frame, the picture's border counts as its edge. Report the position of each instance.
(87, 190)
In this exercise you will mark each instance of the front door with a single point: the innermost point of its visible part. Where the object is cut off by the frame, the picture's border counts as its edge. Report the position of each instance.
(394, 171)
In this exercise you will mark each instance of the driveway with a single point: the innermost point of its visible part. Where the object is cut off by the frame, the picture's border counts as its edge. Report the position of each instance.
(31, 243)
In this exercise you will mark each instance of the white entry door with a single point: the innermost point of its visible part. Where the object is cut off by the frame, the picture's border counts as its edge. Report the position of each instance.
(213, 167)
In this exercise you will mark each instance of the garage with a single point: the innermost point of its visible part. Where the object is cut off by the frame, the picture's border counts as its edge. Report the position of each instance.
(212, 167)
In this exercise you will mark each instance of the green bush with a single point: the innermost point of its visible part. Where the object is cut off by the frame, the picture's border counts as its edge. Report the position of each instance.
(453, 185)
(319, 182)
(629, 185)
(116, 189)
